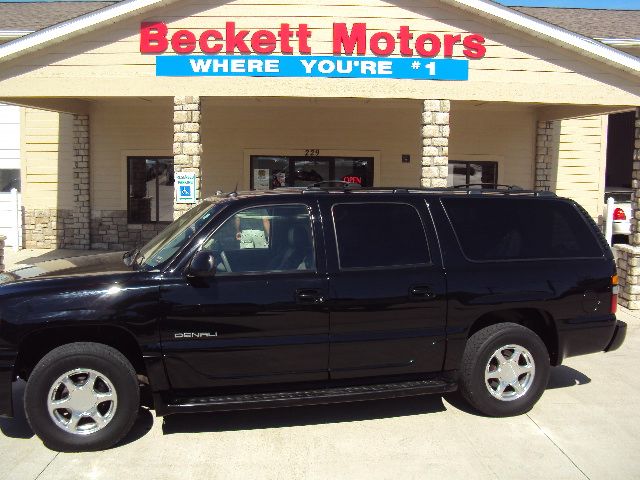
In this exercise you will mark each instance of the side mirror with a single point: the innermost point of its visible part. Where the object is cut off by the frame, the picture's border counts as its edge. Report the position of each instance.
(127, 258)
(202, 265)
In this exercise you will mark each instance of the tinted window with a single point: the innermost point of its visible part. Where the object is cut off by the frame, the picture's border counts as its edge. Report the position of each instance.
(264, 239)
(150, 187)
(379, 235)
(520, 229)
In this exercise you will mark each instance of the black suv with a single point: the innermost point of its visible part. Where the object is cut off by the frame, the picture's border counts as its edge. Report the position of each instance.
(316, 295)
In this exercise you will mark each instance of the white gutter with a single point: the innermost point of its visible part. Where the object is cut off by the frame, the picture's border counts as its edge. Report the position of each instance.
(621, 42)
(14, 33)
(548, 31)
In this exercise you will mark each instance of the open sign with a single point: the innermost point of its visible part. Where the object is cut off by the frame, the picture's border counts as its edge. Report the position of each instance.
(352, 179)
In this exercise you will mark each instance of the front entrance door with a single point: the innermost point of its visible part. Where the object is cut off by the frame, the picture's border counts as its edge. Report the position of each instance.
(268, 172)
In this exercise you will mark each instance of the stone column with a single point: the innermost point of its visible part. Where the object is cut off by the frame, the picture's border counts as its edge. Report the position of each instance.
(187, 146)
(628, 256)
(80, 227)
(634, 239)
(544, 155)
(2, 241)
(435, 143)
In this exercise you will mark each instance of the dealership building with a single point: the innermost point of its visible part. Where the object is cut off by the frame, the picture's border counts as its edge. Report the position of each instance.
(132, 112)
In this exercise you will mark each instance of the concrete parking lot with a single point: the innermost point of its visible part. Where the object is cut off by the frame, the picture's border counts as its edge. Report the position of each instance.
(587, 425)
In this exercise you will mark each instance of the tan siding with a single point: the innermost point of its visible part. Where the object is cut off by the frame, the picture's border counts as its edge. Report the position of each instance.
(503, 136)
(579, 170)
(354, 128)
(47, 162)
(120, 130)
(517, 67)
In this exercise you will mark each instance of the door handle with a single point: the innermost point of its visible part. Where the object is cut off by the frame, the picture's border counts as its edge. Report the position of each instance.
(423, 292)
(309, 296)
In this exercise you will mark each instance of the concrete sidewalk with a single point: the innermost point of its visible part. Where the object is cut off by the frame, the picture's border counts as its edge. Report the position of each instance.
(29, 256)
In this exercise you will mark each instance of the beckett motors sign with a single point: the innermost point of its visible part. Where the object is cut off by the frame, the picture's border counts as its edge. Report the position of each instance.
(287, 52)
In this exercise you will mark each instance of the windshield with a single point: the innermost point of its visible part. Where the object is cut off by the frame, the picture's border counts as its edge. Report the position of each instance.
(176, 235)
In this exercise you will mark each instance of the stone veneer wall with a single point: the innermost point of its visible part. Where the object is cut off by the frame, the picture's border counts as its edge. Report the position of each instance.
(435, 143)
(110, 231)
(81, 190)
(2, 240)
(187, 147)
(48, 228)
(628, 263)
(544, 155)
(634, 238)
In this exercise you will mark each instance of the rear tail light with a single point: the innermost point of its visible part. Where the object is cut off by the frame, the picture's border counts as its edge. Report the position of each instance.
(614, 293)
(618, 214)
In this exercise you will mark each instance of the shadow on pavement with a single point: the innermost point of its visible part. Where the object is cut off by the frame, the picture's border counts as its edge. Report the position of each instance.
(564, 376)
(298, 416)
(559, 377)
(140, 428)
(17, 427)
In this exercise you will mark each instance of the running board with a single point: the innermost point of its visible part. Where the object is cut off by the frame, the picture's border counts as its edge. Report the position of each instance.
(302, 397)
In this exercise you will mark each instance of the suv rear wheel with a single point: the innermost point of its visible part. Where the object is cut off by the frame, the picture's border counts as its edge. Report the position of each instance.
(505, 369)
(82, 396)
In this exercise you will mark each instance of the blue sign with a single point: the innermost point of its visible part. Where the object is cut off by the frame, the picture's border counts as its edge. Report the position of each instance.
(185, 187)
(311, 66)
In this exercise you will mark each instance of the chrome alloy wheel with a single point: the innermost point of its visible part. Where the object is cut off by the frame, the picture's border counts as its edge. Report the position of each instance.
(509, 372)
(82, 401)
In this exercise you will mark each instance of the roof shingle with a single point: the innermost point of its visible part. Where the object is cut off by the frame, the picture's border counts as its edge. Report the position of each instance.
(31, 16)
(590, 22)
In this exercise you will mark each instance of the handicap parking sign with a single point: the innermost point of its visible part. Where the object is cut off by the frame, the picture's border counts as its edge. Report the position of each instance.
(185, 187)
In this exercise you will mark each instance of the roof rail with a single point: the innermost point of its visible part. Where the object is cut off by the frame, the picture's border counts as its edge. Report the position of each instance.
(333, 185)
(489, 186)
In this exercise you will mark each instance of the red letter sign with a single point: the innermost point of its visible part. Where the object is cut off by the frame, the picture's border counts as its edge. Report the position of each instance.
(153, 37)
(343, 41)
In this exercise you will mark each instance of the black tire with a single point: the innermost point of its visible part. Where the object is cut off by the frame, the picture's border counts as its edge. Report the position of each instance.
(106, 360)
(477, 354)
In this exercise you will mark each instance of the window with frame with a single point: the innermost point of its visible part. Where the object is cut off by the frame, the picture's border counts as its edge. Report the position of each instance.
(379, 235)
(481, 174)
(272, 238)
(150, 189)
(500, 229)
(268, 172)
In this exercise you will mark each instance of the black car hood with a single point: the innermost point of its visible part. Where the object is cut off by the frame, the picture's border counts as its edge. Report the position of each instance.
(86, 265)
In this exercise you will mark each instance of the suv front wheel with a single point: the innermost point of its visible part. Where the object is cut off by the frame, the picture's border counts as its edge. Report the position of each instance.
(82, 396)
(505, 369)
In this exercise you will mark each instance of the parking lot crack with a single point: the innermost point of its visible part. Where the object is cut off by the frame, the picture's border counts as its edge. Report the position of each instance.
(47, 465)
(558, 447)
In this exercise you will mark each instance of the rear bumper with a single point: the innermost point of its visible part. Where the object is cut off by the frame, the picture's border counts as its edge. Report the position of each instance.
(619, 335)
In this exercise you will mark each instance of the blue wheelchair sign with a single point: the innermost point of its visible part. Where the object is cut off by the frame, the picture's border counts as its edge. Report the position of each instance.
(185, 187)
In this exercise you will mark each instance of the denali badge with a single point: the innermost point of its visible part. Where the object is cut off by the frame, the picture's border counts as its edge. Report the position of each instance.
(195, 334)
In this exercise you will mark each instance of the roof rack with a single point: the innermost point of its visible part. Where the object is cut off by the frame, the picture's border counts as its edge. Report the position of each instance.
(338, 185)
(466, 189)
(489, 186)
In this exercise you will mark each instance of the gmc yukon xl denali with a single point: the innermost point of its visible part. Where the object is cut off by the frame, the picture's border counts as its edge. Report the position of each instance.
(316, 295)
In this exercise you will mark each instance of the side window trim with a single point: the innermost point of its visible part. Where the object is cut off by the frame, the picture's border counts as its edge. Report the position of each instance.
(380, 267)
(314, 242)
